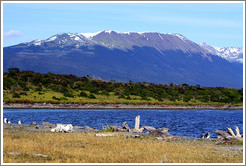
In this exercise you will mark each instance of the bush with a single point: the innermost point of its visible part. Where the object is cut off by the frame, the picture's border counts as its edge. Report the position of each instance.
(91, 96)
(145, 98)
(38, 89)
(107, 129)
(68, 94)
(83, 94)
(55, 98)
(63, 98)
(121, 97)
(16, 95)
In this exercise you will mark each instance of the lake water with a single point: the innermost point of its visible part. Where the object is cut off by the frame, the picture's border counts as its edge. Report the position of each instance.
(180, 122)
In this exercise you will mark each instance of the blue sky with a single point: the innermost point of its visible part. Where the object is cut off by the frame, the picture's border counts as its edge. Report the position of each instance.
(218, 24)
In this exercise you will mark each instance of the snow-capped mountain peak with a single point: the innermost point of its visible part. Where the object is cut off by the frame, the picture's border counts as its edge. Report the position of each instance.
(232, 54)
(127, 40)
(89, 35)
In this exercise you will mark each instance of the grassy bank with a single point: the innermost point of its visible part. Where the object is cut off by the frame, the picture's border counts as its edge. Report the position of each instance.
(87, 148)
(31, 87)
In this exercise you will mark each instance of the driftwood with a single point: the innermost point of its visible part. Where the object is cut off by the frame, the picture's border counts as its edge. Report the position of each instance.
(137, 122)
(63, 128)
(119, 129)
(125, 126)
(104, 135)
(149, 128)
(231, 131)
(84, 129)
(163, 129)
(229, 134)
(160, 132)
(34, 123)
(237, 132)
(48, 124)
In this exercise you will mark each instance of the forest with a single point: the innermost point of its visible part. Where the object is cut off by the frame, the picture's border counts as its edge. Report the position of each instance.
(32, 87)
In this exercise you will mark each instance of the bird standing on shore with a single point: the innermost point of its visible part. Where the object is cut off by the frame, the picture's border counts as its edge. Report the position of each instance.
(206, 136)
(6, 120)
(19, 122)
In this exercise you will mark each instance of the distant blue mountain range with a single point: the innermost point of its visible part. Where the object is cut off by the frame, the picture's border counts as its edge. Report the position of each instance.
(139, 57)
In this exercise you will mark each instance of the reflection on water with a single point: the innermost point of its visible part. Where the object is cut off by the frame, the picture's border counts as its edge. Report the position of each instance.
(180, 122)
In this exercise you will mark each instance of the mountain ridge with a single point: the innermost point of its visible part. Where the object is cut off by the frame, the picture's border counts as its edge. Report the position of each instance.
(232, 54)
(144, 57)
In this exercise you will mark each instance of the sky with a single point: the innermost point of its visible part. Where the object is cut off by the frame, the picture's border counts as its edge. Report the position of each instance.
(217, 24)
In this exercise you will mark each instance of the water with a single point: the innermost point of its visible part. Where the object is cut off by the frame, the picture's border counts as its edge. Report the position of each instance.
(180, 122)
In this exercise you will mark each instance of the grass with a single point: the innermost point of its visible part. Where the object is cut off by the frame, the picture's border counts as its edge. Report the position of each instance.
(87, 148)
(49, 96)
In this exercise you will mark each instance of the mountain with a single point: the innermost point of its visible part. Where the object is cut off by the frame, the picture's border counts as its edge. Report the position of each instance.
(136, 56)
(232, 54)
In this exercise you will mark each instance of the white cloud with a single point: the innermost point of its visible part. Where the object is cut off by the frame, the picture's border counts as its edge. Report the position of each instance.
(12, 33)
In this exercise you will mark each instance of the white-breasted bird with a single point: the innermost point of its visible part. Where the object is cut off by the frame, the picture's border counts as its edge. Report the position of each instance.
(206, 136)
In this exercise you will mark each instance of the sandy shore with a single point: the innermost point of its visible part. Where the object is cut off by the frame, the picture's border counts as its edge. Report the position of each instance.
(106, 106)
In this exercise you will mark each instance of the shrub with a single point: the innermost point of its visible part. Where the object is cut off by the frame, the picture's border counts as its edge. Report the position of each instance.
(63, 98)
(121, 97)
(38, 89)
(55, 98)
(16, 95)
(107, 129)
(91, 96)
(83, 94)
(68, 94)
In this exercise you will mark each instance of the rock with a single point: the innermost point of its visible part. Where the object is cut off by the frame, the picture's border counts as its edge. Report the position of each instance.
(33, 123)
(48, 124)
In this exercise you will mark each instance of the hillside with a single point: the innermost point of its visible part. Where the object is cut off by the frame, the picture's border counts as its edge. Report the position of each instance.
(31, 87)
(137, 56)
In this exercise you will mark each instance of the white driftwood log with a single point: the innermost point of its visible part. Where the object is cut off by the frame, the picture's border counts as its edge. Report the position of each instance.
(137, 122)
(229, 134)
(63, 128)
(104, 135)
(149, 128)
(237, 132)
(231, 131)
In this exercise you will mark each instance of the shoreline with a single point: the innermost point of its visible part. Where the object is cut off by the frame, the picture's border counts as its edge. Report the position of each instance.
(110, 106)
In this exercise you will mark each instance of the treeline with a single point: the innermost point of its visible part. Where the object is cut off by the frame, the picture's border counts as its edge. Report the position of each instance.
(20, 82)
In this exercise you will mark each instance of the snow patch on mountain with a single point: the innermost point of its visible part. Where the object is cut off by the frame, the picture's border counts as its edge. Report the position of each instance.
(125, 40)
(89, 35)
(232, 54)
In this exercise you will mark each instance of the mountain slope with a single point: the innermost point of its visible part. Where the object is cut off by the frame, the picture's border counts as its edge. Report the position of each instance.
(144, 57)
(232, 54)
